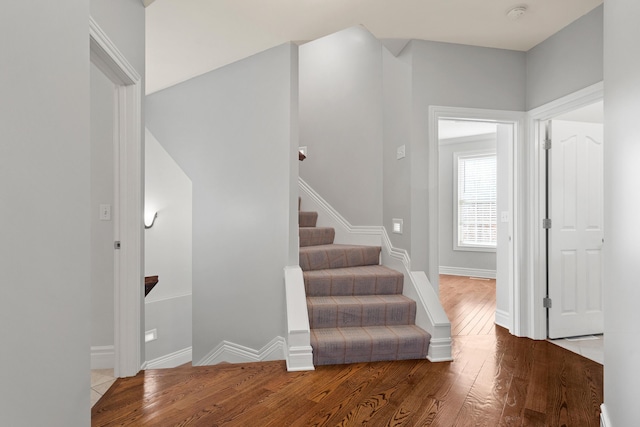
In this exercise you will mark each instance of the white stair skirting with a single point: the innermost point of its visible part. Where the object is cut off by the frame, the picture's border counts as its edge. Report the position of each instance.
(103, 357)
(170, 360)
(235, 353)
(299, 351)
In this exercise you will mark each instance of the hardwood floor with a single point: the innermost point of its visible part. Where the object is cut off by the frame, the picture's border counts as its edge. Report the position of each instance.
(469, 303)
(496, 379)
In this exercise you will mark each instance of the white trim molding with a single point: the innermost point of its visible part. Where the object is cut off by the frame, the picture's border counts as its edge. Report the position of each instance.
(537, 319)
(235, 353)
(502, 319)
(605, 421)
(170, 360)
(129, 289)
(469, 272)
(102, 356)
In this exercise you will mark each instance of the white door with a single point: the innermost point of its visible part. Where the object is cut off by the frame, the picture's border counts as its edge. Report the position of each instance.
(576, 234)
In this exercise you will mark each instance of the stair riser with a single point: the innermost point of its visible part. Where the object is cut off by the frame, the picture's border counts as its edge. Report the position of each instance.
(353, 314)
(313, 236)
(336, 346)
(307, 219)
(328, 256)
(317, 284)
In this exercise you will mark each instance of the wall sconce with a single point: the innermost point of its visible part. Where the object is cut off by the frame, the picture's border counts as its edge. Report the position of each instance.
(153, 220)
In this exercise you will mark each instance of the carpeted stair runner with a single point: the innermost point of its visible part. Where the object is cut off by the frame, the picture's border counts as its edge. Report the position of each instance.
(357, 312)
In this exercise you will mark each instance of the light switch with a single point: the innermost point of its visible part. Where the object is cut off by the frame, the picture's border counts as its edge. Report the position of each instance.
(400, 152)
(504, 216)
(105, 212)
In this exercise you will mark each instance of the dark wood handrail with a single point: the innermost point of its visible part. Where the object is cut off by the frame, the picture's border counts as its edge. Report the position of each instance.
(149, 283)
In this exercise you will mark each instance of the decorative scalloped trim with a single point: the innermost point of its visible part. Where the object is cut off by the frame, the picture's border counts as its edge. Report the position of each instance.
(235, 353)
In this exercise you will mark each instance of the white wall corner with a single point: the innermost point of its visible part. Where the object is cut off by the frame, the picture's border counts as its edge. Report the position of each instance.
(299, 351)
(604, 417)
(170, 360)
(235, 353)
(102, 357)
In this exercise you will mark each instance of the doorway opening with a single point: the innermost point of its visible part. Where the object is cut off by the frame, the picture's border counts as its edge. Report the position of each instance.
(470, 235)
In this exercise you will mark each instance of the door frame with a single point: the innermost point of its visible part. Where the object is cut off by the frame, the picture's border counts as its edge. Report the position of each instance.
(516, 162)
(536, 119)
(128, 201)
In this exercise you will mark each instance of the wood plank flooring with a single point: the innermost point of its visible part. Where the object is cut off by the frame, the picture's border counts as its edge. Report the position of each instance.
(470, 304)
(496, 379)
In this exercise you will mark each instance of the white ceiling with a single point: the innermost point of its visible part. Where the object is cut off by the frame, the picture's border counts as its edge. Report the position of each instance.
(186, 38)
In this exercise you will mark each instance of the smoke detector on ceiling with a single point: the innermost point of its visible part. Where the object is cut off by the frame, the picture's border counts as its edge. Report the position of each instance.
(516, 12)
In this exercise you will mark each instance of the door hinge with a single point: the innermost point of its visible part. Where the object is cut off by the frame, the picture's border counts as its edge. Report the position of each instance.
(546, 302)
(546, 145)
(116, 244)
(546, 223)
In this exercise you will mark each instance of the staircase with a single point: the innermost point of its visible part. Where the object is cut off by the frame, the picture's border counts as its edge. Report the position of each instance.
(357, 312)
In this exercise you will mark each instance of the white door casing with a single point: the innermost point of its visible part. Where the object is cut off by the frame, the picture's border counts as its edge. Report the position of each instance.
(576, 234)
(128, 202)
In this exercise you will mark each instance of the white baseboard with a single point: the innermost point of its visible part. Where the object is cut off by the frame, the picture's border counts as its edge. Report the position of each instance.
(170, 360)
(103, 357)
(235, 353)
(440, 350)
(502, 319)
(604, 417)
(469, 272)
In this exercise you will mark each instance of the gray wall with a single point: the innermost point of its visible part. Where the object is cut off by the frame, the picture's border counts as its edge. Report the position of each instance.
(44, 214)
(102, 236)
(233, 133)
(396, 92)
(566, 62)
(622, 229)
(446, 74)
(448, 256)
(341, 122)
(45, 314)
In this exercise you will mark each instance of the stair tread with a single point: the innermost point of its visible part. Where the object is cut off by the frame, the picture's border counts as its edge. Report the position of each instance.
(360, 299)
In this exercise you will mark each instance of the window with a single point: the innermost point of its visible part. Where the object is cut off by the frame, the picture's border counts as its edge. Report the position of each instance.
(475, 202)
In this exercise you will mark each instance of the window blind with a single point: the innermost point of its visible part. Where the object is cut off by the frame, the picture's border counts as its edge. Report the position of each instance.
(477, 210)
